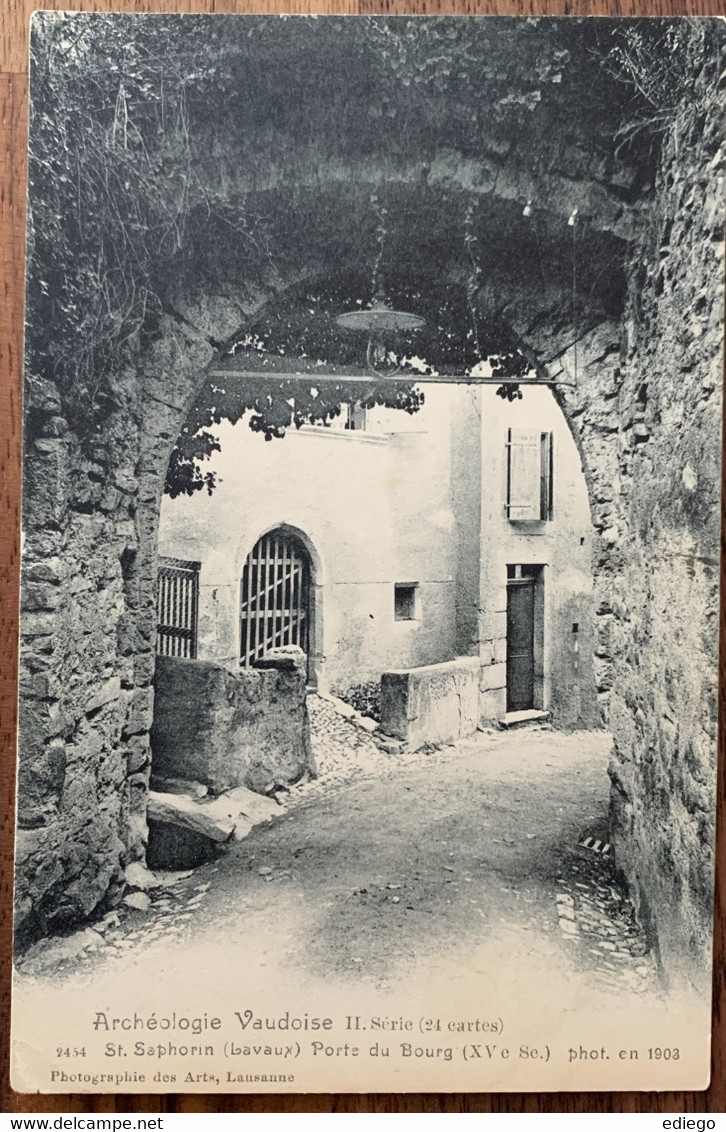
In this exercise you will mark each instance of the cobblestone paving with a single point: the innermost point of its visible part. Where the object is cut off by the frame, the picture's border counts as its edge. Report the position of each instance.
(594, 913)
(344, 753)
(596, 920)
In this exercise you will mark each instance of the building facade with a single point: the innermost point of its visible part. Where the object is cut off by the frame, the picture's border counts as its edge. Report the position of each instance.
(389, 541)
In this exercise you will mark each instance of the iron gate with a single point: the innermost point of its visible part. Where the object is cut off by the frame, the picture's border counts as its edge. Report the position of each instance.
(274, 596)
(177, 607)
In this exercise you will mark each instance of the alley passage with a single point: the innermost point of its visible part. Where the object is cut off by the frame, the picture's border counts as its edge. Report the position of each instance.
(412, 861)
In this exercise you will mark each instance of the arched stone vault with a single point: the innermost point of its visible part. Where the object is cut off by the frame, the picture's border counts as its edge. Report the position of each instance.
(583, 347)
(636, 340)
(175, 366)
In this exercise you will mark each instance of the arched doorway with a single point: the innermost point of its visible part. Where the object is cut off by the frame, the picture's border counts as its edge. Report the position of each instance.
(275, 596)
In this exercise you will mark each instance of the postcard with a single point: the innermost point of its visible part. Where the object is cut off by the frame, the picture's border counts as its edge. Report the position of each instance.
(371, 520)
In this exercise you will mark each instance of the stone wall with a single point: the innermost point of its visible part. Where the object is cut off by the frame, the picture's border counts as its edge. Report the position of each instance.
(437, 703)
(647, 411)
(662, 617)
(225, 728)
(82, 724)
(88, 628)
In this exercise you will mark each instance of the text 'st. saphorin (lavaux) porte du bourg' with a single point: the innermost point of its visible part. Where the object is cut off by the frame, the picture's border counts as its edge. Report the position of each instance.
(370, 571)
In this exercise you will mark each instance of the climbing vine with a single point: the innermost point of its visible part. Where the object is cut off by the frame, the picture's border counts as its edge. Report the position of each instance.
(273, 406)
(661, 63)
(141, 125)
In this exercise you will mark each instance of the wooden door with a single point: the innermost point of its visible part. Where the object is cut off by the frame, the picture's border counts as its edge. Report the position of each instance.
(520, 644)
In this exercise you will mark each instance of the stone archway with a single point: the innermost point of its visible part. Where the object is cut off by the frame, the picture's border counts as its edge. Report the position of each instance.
(602, 400)
(642, 340)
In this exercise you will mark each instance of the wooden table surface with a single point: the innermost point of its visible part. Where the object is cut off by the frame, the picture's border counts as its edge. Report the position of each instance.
(13, 124)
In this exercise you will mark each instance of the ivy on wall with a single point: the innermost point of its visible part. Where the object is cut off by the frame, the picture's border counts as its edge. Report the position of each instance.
(141, 127)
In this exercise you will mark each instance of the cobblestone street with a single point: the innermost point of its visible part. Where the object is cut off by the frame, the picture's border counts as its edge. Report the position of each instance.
(344, 751)
(594, 914)
(399, 855)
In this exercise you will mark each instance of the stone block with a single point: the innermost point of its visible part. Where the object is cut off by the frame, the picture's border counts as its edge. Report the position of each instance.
(492, 705)
(144, 667)
(343, 709)
(139, 901)
(186, 786)
(41, 779)
(285, 658)
(140, 712)
(493, 677)
(493, 625)
(138, 753)
(39, 596)
(174, 847)
(109, 690)
(36, 624)
(126, 634)
(137, 786)
(139, 877)
(39, 686)
(230, 728)
(256, 807)
(433, 704)
(208, 820)
(179, 825)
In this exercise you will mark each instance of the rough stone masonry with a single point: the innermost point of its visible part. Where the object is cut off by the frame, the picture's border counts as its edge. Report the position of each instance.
(225, 727)
(642, 340)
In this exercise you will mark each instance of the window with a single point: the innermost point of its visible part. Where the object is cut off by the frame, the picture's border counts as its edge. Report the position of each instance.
(355, 417)
(405, 601)
(529, 476)
(177, 605)
(519, 573)
(352, 418)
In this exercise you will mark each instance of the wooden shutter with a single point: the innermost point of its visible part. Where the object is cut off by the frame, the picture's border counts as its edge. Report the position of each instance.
(524, 483)
(546, 510)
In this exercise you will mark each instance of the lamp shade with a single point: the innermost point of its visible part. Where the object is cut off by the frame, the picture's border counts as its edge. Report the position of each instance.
(379, 317)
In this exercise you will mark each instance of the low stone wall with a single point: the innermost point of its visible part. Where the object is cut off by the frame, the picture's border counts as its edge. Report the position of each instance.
(433, 704)
(225, 728)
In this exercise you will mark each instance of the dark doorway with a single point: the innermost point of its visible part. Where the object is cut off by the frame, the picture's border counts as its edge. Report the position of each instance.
(521, 582)
(274, 596)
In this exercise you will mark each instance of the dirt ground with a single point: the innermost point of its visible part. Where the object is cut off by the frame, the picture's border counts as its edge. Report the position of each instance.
(419, 861)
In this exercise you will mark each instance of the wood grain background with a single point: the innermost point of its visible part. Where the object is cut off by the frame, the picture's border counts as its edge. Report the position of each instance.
(14, 15)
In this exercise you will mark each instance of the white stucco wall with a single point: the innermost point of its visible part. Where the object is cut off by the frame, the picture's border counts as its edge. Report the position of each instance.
(417, 499)
(375, 508)
(562, 546)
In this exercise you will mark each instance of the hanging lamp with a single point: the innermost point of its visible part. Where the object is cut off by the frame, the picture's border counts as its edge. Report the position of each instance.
(379, 318)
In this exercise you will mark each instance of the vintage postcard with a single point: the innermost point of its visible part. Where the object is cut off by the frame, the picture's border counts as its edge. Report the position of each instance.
(371, 553)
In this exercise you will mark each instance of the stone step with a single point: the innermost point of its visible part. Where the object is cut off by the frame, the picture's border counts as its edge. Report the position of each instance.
(523, 718)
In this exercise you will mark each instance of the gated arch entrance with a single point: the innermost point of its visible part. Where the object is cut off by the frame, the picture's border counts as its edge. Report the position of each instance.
(275, 596)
